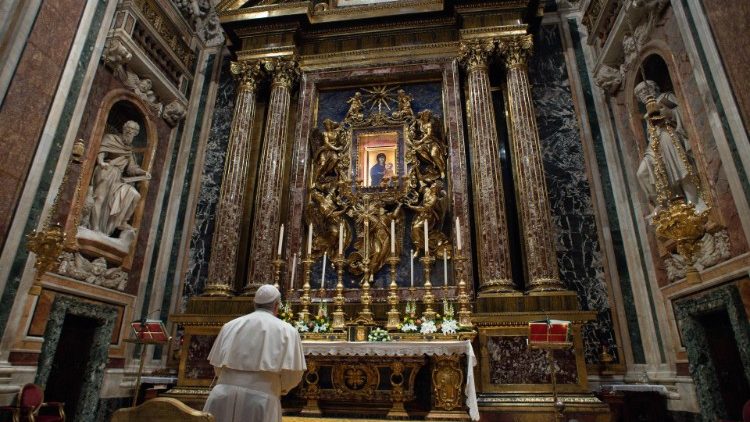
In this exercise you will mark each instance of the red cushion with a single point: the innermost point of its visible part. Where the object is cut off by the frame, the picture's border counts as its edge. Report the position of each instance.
(31, 395)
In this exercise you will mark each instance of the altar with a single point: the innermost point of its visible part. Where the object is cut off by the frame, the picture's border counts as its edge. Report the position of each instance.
(388, 378)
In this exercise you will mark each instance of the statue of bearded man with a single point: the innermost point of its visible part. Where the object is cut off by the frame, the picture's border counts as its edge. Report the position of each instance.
(675, 152)
(115, 197)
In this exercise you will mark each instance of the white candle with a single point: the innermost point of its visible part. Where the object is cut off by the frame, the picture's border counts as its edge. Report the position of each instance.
(309, 239)
(426, 239)
(445, 267)
(323, 273)
(281, 240)
(458, 233)
(393, 236)
(411, 266)
(341, 238)
(367, 238)
(294, 270)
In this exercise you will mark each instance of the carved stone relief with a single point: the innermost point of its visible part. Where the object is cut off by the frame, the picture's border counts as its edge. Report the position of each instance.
(713, 248)
(75, 265)
(202, 15)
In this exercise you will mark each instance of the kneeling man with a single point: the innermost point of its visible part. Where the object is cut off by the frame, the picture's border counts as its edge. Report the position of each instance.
(257, 358)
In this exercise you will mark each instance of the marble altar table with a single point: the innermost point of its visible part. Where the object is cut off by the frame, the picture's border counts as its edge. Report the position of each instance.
(364, 373)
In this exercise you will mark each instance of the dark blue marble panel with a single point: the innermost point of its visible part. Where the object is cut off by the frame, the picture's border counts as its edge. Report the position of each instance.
(213, 168)
(578, 249)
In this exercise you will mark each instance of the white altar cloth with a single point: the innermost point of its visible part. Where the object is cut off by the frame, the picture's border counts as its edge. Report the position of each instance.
(640, 388)
(404, 348)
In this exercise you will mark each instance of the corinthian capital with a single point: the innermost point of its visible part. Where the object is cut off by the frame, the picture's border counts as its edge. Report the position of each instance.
(285, 71)
(247, 74)
(516, 50)
(474, 54)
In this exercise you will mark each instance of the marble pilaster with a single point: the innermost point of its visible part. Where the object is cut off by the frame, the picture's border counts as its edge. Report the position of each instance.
(267, 216)
(489, 215)
(226, 240)
(531, 188)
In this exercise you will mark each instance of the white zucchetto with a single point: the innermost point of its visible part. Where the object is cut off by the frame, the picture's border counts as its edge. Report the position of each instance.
(267, 293)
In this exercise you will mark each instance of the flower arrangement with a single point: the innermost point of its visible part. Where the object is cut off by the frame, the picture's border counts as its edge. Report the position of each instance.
(378, 334)
(286, 314)
(410, 323)
(318, 324)
(448, 325)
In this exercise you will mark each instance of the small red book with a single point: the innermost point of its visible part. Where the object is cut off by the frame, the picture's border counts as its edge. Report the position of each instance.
(150, 331)
(548, 331)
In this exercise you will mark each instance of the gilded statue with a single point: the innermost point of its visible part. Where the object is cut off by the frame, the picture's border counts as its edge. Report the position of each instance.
(355, 108)
(332, 143)
(674, 149)
(431, 207)
(427, 146)
(328, 215)
(404, 106)
(378, 236)
(114, 195)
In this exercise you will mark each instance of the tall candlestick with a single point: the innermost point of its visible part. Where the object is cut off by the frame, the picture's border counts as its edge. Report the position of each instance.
(458, 233)
(341, 238)
(294, 271)
(445, 267)
(323, 273)
(393, 236)
(426, 239)
(411, 266)
(309, 239)
(281, 240)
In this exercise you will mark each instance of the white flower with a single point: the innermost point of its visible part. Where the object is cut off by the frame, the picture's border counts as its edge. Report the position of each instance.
(450, 326)
(322, 328)
(409, 328)
(428, 327)
(301, 326)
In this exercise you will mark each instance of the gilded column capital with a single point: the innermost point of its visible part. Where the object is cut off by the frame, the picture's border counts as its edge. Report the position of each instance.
(475, 54)
(284, 71)
(516, 50)
(247, 74)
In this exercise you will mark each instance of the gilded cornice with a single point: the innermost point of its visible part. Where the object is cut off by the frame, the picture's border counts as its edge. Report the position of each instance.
(398, 7)
(474, 54)
(493, 31)
(493, 5)
(247, 74)
(445, 50)
(516, 50)
(266, 11)
(379, 28)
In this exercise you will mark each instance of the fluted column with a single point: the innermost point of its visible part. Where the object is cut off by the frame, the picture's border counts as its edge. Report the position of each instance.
(487, 181)
(531, 188)
(226, 240)
(267, 217)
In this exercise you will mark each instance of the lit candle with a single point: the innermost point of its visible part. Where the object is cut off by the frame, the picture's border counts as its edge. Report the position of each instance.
(458, 233)
(281, 240)
(294, 270)
(445, 267)
(393, 236)
(411, 266)
(341, 238)
(323, 273)
(426, 239)
(309, 240)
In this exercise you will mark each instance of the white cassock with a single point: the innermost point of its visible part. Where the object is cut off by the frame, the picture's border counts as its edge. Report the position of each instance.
(257, 357)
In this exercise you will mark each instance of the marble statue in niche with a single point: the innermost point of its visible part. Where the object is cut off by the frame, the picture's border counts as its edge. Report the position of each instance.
(674, 150)
(112, 197)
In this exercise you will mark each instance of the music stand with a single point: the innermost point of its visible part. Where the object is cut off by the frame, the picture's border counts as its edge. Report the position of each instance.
(550, 335)
(146, 332)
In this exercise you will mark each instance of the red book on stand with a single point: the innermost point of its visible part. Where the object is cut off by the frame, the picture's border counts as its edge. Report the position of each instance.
(548, 331)
(150, 331)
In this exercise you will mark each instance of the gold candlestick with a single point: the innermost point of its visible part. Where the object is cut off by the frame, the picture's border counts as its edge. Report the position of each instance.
(304, 314)
(339, 318)
(464, 305)
(393, 315)
(428, 299)
(365, 314)
(277, 264)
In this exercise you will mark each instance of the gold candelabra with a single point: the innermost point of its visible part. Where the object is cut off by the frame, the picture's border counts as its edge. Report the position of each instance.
(393, 315)
(428, 298)
(365, 314)
(464, 305)
(278, 263)
(339, 318)
(304, 314)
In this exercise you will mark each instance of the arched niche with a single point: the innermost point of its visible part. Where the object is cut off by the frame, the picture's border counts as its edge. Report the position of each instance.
(118, 106)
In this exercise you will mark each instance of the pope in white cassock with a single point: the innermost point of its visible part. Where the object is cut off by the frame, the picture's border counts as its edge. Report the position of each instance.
(257, 358)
